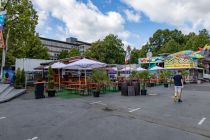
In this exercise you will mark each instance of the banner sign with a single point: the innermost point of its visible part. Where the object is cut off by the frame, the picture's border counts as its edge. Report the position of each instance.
(179, 62)
(2, 19)
(151, 60)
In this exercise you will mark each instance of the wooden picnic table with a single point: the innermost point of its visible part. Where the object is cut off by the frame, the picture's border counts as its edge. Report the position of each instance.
(81, 87)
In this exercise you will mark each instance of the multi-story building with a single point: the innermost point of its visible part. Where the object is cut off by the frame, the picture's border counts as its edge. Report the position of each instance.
(56, 46)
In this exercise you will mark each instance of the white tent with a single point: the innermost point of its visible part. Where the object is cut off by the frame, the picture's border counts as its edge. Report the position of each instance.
(57, 65)
(156, 68)
(127, 69)
(85, 64)
(140, 69)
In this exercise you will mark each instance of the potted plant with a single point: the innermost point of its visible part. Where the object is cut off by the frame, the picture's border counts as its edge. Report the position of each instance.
(101, 78)
(23, 78)
(143, 77)
(18, 84)
(185, 73)
(134, 85)
(51, 90)
(133, 76)
(165, 76)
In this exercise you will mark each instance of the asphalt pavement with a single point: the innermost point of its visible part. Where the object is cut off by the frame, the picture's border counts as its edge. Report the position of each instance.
(110, 117)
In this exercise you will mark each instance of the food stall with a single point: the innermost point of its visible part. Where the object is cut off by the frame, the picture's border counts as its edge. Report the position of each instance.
(185, 60)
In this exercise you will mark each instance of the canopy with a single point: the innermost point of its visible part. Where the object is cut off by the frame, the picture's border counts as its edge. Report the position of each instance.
(157, 68)
(183, 54)
(85, 64)
(197, 55)
(57, 65)
(140, 69)
(188, 54)
(127, 69)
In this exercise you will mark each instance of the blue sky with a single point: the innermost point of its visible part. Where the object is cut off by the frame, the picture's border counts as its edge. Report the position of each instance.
(134, 21)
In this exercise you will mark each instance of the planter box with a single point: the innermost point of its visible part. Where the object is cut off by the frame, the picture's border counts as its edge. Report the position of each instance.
(51, 93)
(131, 91)
(166, 85)
(124, 89)
(136, 88)
(143, 92)
(96, 93)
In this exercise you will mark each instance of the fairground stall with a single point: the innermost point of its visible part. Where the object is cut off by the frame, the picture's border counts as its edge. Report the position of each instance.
(187, 61)
(206, 61)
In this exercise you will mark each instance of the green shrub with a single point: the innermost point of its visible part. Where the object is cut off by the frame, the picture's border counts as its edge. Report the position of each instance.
(143, 76)
(22, 77)
(50, 78)
(165, 75)
(100, 77)
(18, 78)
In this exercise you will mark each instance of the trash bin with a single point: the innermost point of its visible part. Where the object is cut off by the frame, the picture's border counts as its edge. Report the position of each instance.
(124, 89)
(39, 90)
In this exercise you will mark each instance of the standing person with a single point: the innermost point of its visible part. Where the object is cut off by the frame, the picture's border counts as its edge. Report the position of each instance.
(7, 77)
(179, 84)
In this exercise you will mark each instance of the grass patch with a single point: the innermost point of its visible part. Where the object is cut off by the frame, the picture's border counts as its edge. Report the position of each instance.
(65, 94)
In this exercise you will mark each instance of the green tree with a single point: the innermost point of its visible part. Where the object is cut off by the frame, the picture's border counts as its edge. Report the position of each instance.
(109, 50)
(74, 52)
(135, 55)
(20, 32)
(63, 54)
(171, 41)
(195, 41)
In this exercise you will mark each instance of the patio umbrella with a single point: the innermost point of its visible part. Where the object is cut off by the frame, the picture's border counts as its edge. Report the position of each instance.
(127, 69)
(140, 69)
(85, 64)
(156, 68)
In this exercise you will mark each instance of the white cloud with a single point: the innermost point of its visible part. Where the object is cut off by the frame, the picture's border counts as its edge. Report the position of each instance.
(132, 16)
(81, 20)
(189, 15)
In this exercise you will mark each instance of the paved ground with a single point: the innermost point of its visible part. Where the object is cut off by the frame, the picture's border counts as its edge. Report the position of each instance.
(110, 117)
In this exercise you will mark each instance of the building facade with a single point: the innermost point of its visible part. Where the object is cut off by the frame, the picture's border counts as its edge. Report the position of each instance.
(55, 46)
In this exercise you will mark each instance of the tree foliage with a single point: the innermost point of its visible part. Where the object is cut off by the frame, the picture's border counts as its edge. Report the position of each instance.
(63, 54)
(135, 55)
(109, 50)
(19, 28)
(66, 54)
(74, 52)
(171, 41)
